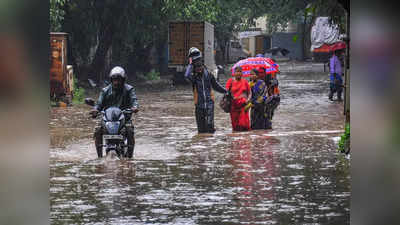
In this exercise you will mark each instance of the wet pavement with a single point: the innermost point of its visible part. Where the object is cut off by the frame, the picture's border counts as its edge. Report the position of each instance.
(291, 174)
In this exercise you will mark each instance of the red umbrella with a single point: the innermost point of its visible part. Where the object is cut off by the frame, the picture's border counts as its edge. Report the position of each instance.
(337, 46)
(255, 63)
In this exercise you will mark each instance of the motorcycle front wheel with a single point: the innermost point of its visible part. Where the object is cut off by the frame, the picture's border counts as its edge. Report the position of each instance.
(131, 148)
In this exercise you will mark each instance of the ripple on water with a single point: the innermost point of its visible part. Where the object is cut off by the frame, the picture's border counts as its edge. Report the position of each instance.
(295, 166)
(180, 177)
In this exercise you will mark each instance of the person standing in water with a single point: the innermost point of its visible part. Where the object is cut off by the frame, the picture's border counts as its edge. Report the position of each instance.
(203, 82)
(241, 93)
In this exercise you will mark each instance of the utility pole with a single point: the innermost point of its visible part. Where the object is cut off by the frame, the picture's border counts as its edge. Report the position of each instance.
(347, 70)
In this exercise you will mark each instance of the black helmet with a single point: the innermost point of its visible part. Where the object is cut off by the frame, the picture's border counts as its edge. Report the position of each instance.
(117, 72)
(195, 53)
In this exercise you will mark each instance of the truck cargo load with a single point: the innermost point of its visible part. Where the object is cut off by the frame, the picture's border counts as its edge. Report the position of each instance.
(323, 36)
(323, 33)
(183, 35)
(61, 74)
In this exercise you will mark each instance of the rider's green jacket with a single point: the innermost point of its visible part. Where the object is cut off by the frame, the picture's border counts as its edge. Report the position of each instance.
(124, 99)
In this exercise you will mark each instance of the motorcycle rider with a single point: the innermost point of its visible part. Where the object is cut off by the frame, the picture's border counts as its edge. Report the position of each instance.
(117, 94)
(203, 82)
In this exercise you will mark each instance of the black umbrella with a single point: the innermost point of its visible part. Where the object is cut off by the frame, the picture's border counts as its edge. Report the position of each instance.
(276, 50)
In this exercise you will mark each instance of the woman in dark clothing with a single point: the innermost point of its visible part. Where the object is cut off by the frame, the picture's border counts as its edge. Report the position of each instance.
(273, 93)
(259, 119)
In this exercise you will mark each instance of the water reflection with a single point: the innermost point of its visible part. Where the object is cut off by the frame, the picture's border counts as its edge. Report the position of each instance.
(253, 173)
(289, 175)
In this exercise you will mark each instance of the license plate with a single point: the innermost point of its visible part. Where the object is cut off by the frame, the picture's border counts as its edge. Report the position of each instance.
(113, 137)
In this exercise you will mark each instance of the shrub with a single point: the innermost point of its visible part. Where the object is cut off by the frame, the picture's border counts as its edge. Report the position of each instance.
(344, 142)
(153, 75)
(78, 94)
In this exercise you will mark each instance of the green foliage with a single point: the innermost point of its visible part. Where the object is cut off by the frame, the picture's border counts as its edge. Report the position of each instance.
(53, 103)
(56, 14)
(344, 142)
(282, 12)
(153, 75)
(227, 16)
(78, 94)
(295, 37)
(130, 29)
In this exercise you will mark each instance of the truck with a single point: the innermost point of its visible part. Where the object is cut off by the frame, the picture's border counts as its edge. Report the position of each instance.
(323, 35)
(61, 74)
(182, 35)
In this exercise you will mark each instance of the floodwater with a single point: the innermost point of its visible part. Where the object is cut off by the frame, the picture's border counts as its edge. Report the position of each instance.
(291, 174)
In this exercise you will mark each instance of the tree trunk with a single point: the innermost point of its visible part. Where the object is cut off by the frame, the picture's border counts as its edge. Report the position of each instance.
(97, 68)
(139, 59)
(223, 52)
(304, 35)
(307, 37)
(227, 47)
(162, 67)
(107, 29)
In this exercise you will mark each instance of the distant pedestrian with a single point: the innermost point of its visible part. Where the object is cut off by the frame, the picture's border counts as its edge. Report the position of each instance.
(336, 80)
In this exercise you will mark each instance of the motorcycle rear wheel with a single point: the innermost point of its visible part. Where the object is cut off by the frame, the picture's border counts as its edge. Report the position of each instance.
(129, 152)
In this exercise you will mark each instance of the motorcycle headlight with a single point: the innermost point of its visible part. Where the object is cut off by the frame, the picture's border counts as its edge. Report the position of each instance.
(112, 127)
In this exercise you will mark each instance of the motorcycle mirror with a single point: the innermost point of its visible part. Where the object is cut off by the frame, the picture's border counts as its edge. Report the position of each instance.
(89, 101)
(92, 83)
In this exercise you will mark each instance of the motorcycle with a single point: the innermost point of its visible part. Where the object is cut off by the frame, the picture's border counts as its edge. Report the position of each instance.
(113, 123)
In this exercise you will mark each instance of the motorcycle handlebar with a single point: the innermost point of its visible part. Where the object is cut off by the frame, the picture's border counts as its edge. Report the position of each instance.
(125, 111)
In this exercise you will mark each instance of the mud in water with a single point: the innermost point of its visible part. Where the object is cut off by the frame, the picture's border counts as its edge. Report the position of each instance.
(291, 174)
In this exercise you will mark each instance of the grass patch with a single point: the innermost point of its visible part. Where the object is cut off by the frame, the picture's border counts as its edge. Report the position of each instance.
(344, 142)
(153, 75)
(78, 94)
(53, 103)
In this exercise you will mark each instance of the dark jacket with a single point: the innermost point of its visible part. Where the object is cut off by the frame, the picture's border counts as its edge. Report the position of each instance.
(123, 100)
(202, 87)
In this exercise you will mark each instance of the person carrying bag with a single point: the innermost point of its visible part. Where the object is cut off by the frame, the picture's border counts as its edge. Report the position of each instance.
(226, 101)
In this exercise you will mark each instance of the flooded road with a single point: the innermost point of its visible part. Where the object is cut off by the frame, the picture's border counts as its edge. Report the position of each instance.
(291, 174)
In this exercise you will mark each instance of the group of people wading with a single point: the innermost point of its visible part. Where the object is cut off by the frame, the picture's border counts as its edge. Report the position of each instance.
(252, 104)
(260, 96)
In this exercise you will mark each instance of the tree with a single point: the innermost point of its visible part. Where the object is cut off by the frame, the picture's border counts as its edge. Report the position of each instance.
(98, 26)
(103, 33)
(56, 14)
(303, 12)
(227, 16)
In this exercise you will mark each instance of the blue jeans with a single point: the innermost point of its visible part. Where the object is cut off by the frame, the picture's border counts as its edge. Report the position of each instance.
(336, 87)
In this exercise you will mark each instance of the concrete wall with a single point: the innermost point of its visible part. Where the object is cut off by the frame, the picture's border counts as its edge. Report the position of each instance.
(252, 45)
(285, 40)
